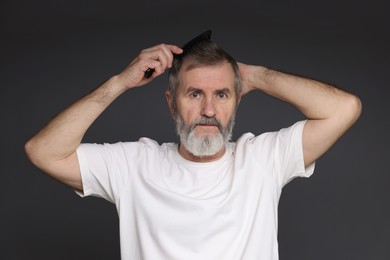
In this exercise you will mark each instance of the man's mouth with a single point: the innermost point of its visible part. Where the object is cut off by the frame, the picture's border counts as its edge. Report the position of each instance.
(209, 129)
(208, 125)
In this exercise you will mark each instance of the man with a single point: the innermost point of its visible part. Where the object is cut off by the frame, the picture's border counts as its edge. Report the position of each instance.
(206, 197)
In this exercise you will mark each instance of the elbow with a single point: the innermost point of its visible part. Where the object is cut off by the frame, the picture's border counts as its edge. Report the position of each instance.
(355, 108)
(29, 150)
(352, 110)
(32, 152)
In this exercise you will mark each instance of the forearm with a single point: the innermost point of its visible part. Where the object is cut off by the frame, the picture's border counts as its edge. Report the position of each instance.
(316, 100)
(63, 134)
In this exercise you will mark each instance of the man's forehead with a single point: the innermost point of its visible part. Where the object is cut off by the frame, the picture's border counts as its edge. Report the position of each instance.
(191, 63)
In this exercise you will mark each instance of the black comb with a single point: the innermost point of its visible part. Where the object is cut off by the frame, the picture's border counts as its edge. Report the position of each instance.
(205, 36)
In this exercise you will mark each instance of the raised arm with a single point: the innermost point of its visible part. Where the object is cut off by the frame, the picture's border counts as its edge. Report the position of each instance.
(53, 149)
(330, 111)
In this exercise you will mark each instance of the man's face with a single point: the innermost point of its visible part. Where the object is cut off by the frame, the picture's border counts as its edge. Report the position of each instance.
(205, 108)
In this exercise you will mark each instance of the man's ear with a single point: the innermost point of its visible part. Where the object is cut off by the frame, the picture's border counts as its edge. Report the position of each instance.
(169, 98)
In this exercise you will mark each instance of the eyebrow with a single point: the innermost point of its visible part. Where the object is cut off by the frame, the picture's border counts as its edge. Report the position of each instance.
(226, 90)
(191, 89)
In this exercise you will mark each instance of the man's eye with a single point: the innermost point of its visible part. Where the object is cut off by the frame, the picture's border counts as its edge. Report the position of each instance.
(222, 95)
(195, 95)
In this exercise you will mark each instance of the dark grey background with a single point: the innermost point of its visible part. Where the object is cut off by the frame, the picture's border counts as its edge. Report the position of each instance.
(53, 52)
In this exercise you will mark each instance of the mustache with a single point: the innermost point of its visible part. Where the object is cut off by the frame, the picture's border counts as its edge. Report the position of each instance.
(207, 121)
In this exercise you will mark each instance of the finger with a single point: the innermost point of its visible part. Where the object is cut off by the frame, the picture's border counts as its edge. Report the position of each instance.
(164, 56)
(153, 68)
(169, 57)
(174, 49)
(162, 53)
(150, 65)
(157, 53)
(168, 49)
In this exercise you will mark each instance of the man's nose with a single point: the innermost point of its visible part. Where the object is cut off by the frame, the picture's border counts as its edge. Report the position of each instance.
(208, 107)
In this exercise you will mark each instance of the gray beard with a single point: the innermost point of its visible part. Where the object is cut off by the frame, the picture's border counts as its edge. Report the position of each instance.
(205, 146)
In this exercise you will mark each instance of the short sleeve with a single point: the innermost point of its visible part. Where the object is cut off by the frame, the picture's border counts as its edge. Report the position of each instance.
(105, 168)
(289, 159)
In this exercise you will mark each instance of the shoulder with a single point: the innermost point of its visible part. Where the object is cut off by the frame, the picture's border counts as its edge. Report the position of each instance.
(126, 149)
(146, 148)
(269, 139)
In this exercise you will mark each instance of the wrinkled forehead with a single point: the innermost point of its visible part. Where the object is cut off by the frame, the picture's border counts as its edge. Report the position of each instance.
(190, 63)
(207, 77)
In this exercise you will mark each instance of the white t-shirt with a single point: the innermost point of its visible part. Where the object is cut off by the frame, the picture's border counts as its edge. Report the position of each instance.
(172, 208)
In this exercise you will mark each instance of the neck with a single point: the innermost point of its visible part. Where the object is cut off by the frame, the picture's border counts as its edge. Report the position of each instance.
(189, 156)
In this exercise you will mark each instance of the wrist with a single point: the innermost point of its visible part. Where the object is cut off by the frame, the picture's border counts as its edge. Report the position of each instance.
(260, 76)
(254, 78)
(118, 84)
(108, 91)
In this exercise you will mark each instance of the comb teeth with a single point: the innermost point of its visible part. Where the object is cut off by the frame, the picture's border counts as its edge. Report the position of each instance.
(205, 36)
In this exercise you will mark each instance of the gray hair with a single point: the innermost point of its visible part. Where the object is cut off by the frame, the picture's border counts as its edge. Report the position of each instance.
(204, 53)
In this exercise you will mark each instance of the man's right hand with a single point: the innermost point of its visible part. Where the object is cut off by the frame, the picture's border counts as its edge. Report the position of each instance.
(159, 58)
